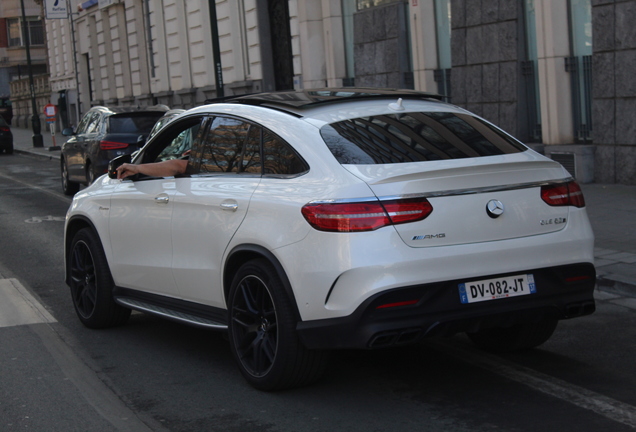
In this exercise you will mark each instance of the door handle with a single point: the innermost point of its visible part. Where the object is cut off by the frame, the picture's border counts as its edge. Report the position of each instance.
(229, 206)
(162, 199)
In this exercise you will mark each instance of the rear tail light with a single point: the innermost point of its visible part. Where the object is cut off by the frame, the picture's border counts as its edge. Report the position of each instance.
(365, 216)
(4, 129)
(112, 145)
(563, 194)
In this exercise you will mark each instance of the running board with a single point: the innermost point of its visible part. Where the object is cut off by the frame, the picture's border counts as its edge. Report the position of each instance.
(172, 314)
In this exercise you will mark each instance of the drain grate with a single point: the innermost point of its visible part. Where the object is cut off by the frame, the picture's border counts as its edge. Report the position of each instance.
(567, 160)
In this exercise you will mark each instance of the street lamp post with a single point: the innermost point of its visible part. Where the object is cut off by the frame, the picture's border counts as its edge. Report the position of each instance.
(38, 141)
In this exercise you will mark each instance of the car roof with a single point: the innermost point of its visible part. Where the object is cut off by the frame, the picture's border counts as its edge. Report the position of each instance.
(298, 102)
(131, 109)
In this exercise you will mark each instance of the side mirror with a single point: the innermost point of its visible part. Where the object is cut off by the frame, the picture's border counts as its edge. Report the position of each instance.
(115, 163)
(68, 132)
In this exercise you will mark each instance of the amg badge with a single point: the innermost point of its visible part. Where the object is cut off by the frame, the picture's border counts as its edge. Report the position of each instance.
(429, 236)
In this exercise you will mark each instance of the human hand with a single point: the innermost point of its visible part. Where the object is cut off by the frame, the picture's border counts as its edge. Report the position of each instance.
(126, 170)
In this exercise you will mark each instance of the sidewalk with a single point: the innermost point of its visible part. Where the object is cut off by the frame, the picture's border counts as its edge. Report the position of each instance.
(611, 209)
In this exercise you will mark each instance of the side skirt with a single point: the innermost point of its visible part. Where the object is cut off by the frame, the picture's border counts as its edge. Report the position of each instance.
(177, 310)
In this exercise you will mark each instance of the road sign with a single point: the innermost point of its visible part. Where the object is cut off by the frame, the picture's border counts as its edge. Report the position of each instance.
(50, 111)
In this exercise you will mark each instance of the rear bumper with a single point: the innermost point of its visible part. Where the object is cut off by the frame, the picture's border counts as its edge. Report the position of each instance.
(562, 292)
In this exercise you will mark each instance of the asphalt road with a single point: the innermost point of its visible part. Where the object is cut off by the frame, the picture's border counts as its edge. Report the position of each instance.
(56, 375)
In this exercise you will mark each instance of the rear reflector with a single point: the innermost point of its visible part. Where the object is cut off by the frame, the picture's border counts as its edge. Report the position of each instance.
(112, 145)
(365, 216)
(563, 194)
(398, 304)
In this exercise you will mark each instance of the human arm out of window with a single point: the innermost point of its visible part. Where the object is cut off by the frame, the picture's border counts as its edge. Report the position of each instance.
(166, 168)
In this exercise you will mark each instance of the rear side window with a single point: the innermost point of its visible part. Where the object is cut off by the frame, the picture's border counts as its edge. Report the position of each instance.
(415, 137)
(141, 124)
(280, 158)
(236, 146)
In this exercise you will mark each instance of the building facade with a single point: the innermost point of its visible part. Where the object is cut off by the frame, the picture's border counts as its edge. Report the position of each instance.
(556, 74)
(14, 31)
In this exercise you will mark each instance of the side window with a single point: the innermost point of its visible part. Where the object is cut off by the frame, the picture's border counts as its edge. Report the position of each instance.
(251, 159)
(92, 126)
(81, 127)
(279, 158)
(179, 147)
(226, 148)
(175, 141)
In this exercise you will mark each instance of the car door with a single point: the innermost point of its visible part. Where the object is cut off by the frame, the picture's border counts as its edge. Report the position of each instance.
(211, 204)
(72, 149)
(141, 210)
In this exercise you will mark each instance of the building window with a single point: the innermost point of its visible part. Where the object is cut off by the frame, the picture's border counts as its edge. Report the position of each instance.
(364, 4)
(34, 28)
(443, 33)
(580, 67)
(530, 74)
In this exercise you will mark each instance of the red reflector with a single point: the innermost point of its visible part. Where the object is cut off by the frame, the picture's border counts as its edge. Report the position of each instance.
(365, 216)
(396, 304)
(563, 194)
(112, 145)
(577, 278)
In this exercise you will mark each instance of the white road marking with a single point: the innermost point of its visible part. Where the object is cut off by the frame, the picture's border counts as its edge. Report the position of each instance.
(579, 396)
(19, 307)
(57, 195)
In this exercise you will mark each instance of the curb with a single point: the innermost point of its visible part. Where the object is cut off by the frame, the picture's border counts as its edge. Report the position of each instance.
(616, 284)
(37, 154)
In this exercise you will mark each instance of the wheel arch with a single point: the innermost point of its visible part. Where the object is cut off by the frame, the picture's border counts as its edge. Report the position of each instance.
(244, 253)
(73, 226)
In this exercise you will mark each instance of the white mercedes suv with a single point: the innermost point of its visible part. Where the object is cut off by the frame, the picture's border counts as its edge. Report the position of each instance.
(314, 220)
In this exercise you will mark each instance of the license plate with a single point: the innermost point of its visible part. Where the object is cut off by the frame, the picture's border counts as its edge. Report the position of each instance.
(493, 289)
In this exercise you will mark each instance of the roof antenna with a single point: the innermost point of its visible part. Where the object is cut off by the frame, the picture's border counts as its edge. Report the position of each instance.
(397, 106)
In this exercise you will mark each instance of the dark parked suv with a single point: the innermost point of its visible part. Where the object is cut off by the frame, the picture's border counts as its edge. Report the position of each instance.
(6, 137)
(103, 134)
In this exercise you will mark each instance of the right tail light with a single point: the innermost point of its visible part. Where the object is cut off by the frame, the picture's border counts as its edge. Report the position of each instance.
(365, 216)
(563, 194)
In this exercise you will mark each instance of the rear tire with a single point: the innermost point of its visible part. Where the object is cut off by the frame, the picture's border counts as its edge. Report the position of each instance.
(92, 284)
(262, 332)
(515, 338)
(68, 187)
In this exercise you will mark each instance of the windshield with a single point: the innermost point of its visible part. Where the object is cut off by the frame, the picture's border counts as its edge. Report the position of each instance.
(133, 123)
(415, 137)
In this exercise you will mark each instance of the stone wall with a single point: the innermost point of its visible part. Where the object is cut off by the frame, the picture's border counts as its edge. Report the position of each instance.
(614, 90)
(381, 47)
(485, 56)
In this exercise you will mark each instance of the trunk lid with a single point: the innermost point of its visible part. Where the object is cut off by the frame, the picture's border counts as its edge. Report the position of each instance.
(460, 191)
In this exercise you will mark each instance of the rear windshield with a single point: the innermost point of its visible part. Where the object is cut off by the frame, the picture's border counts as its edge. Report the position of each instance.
(415, 137)
(133, 123)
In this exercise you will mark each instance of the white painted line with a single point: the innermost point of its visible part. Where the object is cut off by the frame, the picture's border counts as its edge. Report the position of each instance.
(19, 307)
(57, 195)
(579, 396)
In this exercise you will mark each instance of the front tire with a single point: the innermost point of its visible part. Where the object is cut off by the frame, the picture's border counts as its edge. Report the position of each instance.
(262, 332)
(68, 187)
(515, 338)
(92, 284)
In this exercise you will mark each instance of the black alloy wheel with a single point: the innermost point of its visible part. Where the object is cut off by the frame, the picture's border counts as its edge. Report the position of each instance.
(255, 326)
(91, 283)
(262, 332)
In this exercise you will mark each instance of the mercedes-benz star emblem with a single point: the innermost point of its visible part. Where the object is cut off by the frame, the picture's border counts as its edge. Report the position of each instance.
(494, 208)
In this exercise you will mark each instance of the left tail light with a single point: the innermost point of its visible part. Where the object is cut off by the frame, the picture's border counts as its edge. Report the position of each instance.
(365, 216)
(4, 129)
(563, 194)
(112, 145)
